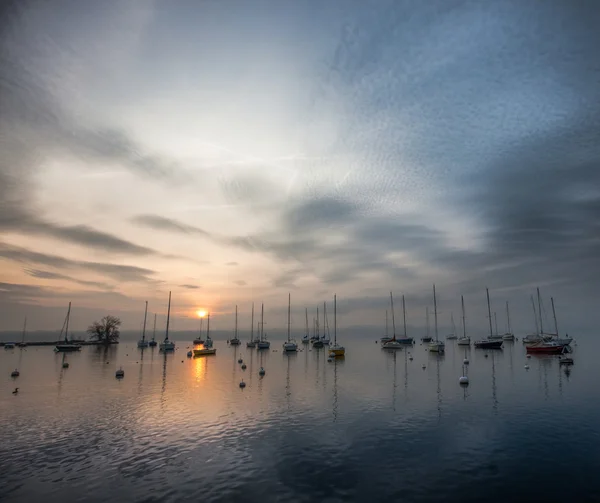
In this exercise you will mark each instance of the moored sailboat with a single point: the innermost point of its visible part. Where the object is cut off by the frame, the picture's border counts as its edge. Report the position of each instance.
(67, 346)
(290, 346)
(199, 339)
(306, 337)
(143, 343)
(251, 343)
(405, 339)
(490, 342)
(436, 346)
(336, 350)
(464, 340)
(152, 342)
(208, 343)
(235, 341)
(263, 343)
(166, 344)
(427, 337)
(392, 343)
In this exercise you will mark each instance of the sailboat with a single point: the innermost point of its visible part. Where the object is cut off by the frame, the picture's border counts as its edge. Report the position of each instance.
(387, 337)
(406, 339)
(22, 344)
(452, 336)
(464, 340)
(436, 346)
(207, 349)
(336, 349)
(152, 342)
(392, 343)
(534, 337)
(263, 343)
(491, 342)
(290, 346)
(67, 346)
(251, 343)
(317, 341)
(508, 336)
(306, 338)
(326, 337)
(143, 343)
(235, 341)
(199, 339)
(167, 345)
(548, 344)
(427, 337)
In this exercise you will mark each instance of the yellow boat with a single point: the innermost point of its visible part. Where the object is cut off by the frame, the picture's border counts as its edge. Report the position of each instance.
(337, 350)
(205, 351)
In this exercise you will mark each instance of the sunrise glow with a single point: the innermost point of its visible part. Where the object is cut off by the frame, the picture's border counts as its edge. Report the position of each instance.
(201, 313)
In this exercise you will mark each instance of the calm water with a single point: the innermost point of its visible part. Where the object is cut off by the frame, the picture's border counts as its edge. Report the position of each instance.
(375, 426)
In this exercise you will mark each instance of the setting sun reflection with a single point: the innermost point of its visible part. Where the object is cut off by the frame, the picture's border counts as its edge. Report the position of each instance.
(200, 368)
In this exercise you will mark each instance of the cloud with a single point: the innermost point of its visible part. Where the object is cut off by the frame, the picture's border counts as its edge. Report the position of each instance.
(231, 263)
(37, 273)
(166, 224)
(240, 282)
(124, 273)
(189, 287)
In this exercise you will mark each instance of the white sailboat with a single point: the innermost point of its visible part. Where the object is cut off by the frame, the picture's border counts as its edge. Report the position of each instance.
(152, 342)
(251, 343)
(167, 345)
(199, 339)
(452, 336)
(306, 338)
(337, 349)
(387, 337)
(565, 341)
(143, 343)
(436, 346)
(508, 336)
(317, 341)
(464, 340)
(67, 346)
(490, 342)
(405, 339)
(263, 343)
(290, 346)
(326, 337)
(392, 343)
(22, 344)
(235, 341)
(427, 337)
(208, 343)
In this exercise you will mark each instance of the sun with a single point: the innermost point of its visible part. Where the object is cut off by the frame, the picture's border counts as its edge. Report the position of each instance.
(201, 313)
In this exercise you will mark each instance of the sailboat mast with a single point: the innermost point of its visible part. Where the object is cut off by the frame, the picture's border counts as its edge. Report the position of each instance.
(24, 330)
(207, 325)
(289, 314)
(427, 319)
(554, 314)
(540, 312)
(307, 332)
(154, 329)
(144, 329)
(262, 321)
(317, 325)
(404, 314)
(508, 318)
(487, 292)
(201, 320)
(67, 329)
(334, 319)
(393, 317)
(462, 302)
(168, 318)
(325, 327)
(435, 313)
(496, 322)
(236, 328)
(386, 323)
(252, 325)
(537, 328)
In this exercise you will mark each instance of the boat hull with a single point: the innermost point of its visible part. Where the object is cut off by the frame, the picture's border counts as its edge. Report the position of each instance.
(491, 344)
(152, 344)
(464, 342)
(318, 344)
(337, 352)
(435, 347)
(426, 339)
(67, 348)
(392, 345)
(405, 340)
(198, 341)
(234, 342)
(205, 352)
(264, 345)
(250, 344)
(545, 349)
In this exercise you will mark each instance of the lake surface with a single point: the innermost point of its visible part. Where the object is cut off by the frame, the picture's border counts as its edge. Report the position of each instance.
(372, 427)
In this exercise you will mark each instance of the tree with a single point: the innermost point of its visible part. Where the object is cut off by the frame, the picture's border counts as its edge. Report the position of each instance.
(106, 330)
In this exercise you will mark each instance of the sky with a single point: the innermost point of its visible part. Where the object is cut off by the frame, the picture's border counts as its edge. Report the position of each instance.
(234, 152)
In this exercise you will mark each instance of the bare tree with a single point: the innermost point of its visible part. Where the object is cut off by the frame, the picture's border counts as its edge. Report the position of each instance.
(106, 330)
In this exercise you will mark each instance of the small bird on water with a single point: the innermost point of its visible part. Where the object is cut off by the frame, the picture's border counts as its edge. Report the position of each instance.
(15, 391)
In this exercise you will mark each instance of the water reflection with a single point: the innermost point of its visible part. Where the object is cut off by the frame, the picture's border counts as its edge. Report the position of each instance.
(494, 390)
(335, 391)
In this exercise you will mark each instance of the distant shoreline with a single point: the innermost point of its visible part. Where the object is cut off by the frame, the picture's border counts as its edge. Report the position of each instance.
(54, 343)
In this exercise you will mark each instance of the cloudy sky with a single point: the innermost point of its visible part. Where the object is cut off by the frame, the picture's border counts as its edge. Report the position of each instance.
(235, 151)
